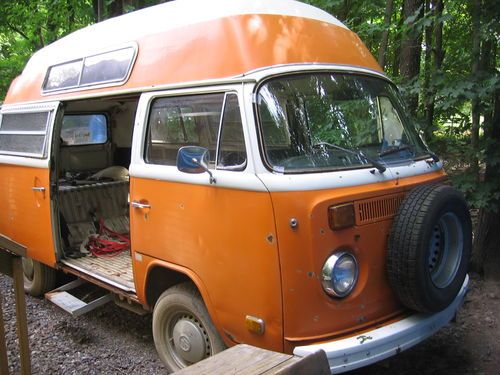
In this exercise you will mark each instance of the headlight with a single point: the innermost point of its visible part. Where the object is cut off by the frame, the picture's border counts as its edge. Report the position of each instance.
(339, 274)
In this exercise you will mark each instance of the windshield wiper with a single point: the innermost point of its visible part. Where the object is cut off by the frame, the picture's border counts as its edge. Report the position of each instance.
(358, 153)
(393, 150)
(433, 156)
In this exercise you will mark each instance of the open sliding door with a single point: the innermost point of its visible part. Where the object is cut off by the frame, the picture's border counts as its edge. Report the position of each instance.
(25, 201)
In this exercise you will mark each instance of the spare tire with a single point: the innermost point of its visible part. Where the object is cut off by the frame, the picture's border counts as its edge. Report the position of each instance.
(429, 247)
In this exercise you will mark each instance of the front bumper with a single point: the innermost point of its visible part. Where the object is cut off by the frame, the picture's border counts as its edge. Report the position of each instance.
(373, 346)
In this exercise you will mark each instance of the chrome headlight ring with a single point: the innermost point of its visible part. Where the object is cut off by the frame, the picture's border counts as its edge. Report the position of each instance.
(339, 274)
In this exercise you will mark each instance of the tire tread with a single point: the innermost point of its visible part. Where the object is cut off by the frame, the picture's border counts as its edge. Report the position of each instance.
(406, 239)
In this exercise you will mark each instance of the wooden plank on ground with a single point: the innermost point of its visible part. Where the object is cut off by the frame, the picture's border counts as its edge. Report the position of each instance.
(4, 365)
(12, 246)
(249, 360)
(22, 322)
(316, 363)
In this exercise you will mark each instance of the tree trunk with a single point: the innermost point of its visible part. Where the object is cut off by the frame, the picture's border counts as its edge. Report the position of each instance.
(436, 49)
(71, 15)
(98, 6)
(344, 11)
(397, 43)
(409, 65)
(486, 253)
(438, 36)
(476, 49)
(385, 34)
(115, 8)
(428, 98)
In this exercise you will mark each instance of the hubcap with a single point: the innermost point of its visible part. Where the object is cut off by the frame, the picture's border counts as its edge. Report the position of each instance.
(28, 268)
(189, 340)
(445, 250)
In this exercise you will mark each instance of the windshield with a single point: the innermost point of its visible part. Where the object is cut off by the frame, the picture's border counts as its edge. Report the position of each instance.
(327, 121)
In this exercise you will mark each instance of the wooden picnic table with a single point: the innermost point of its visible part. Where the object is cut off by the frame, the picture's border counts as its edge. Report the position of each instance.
(11, 264)
(249, 360)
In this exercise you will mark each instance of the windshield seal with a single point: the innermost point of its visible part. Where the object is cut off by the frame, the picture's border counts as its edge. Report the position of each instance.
(414, 149)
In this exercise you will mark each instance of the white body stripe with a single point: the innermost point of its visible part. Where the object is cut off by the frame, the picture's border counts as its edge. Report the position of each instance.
(224, 179)
(341, 179)
(24, 161)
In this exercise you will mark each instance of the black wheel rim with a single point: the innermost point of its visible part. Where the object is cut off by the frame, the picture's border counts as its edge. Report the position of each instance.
(445, 250)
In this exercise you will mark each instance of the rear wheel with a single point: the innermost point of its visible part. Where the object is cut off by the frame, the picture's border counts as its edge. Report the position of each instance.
(38, 278)
(182, 329)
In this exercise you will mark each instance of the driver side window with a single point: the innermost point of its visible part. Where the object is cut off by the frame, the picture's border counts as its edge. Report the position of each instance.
(212, 121)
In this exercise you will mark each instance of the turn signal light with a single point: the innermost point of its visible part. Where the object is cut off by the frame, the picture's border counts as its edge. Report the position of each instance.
(341, 216)
(255, 325)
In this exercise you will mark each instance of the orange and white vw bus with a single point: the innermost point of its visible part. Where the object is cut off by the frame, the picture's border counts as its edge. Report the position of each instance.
(242, 169)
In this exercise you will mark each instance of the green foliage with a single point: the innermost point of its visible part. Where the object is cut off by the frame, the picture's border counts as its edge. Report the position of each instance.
(452, 89)
(26, 26)
(479, 196)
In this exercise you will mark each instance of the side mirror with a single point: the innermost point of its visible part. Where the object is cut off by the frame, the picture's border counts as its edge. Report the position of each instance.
(194, 159)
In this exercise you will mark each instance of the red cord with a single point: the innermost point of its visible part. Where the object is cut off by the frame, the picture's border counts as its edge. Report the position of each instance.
(114, 243)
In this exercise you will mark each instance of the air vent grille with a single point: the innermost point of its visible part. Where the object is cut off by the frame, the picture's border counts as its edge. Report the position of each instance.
(376, 209)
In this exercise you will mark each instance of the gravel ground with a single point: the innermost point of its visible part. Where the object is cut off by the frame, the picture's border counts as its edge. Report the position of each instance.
(110, 340)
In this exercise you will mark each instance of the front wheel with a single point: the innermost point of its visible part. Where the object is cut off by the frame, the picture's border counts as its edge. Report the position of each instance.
(38, 278)
(182, 329)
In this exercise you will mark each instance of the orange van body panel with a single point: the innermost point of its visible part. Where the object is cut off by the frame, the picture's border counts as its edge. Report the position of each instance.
(143, 264)
(311, 315)
(227, 238)
(220, 48)
(26, 214)
(186, 236)
(146, 264)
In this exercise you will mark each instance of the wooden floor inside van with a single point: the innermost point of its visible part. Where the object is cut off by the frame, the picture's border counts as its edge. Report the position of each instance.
(116, 271)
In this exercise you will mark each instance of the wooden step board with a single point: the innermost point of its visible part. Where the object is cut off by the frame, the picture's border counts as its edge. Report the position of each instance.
(249, 360)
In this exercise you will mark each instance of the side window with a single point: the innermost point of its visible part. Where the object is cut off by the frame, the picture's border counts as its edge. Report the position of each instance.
(86, 129)
(24, 133)
(197, 120)
(104, 68)
(232, 153)
(175, 122)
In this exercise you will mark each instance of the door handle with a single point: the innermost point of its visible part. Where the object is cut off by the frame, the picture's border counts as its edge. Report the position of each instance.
(38, 188)
(137, 204)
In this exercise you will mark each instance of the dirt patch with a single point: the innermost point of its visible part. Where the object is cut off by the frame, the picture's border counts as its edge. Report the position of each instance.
(469, 345)
(111, 340)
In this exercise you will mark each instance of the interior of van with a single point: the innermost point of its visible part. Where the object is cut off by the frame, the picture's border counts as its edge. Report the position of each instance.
(93, 188)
